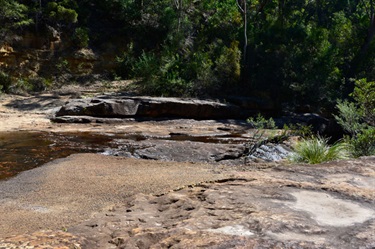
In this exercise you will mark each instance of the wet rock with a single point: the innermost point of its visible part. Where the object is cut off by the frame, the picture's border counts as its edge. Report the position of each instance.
(151, 107)
(180, 151)
(270, 152)
(212, 148)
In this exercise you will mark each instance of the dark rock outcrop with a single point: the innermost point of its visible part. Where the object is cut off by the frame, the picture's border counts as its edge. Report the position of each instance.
(180, 151)
(125, 107)
(114, 109)
(319, 125)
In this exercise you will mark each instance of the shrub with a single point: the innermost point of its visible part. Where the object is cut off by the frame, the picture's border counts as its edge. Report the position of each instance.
(5, 81)
(62, 66)
(125, 63)
(364, 95)
(358, 119)
(161, 75)
(261, 122)
(21, 86)
(316, 150)
(203, 71)
(146, 66)
(350, 117)
(38, 84)
(228, 66)
(363, 144)
(81, 37)
(59, 13)
(298, 129)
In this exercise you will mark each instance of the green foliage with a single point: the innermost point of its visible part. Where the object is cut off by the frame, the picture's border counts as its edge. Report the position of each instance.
(262, 133)
(146, 66)
(349, 117)
(363, 144)
(160, 76)
(191, 54)
(62, 65)
(299, 52)
(126, 63)
(81, 37)
(357, 118)
(57, 12)
(38, 84)
(5, 81)
(228, 66)
(261, 122)
(20, 86)
(185, 73)
(214, 70)
(298, 129)
(316, 150)
(13, 17)
(364, 95)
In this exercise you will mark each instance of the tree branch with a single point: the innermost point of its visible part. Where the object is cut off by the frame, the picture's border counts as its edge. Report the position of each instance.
(239, 6)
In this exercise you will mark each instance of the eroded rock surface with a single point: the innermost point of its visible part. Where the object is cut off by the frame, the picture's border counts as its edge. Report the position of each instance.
(43, 240)
(228, 152)
(180, 151)
(320, 206)
(263, 209)
(244, 206)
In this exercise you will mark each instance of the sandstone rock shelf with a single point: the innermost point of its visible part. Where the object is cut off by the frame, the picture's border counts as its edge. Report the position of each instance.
(151, 107)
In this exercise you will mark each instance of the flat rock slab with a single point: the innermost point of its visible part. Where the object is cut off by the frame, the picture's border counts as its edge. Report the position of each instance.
(271, 208)
(180, 151)
(67, 191)
(331, 205)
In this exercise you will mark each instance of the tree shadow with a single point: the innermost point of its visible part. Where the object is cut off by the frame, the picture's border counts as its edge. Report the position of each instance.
(37, 102)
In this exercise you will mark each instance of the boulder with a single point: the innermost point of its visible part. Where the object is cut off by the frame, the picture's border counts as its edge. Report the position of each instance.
(320, 125)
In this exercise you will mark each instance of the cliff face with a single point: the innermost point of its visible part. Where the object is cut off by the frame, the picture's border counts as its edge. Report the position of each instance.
(35, 56)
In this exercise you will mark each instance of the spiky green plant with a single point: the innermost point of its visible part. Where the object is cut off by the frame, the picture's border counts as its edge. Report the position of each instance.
(317, 150)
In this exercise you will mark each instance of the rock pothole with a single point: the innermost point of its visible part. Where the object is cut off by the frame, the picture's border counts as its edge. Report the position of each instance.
(238, 230)
(330, 211)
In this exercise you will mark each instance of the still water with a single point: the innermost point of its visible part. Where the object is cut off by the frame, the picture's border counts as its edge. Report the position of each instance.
(20, 151)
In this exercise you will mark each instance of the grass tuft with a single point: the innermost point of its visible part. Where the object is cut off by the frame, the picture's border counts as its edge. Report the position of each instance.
(317, 150)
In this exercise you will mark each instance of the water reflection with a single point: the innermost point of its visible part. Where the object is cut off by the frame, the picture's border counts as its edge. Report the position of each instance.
(20, 151)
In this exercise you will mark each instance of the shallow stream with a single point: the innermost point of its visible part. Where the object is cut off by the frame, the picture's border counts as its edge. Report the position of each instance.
(20, 151)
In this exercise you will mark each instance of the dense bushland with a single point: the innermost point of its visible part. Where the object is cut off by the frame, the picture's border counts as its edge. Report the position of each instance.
(298, 53)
